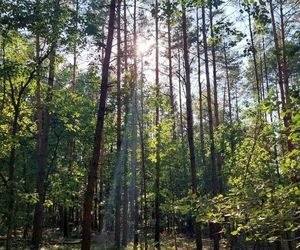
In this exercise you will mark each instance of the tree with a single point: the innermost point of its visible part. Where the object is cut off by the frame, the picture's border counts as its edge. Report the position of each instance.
(157, 126)
(88, 200)
(190, 122)
(214, 171)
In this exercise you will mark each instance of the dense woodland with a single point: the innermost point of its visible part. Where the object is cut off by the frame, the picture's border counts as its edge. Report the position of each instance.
(153, 124)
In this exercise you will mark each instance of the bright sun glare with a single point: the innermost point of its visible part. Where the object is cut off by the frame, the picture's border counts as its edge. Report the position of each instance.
(143, 46)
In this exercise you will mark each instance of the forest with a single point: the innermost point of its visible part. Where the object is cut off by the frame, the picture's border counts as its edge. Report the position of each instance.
(150, 124)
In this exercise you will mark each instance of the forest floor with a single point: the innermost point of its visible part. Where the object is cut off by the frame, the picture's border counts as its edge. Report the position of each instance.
(100, 242)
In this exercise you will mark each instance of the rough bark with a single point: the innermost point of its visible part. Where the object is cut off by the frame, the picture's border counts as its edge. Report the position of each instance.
(190, 122)
(143, 158)
(253, 50)
(282, 77)
(134, 133)
(215, 179)
(125, 187)
(101, 183)
(171, 91)
(43, 157)
(92, 171)
(118, 174)
(202, 146)
(214, 67)
(285, 74)
(157, 125)
(229, 95)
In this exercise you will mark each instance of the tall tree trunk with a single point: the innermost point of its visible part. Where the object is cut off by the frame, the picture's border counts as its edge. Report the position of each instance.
(11, 188)
(43, 156)
(92, 172)
(229, 96)
(282, 79)
(171, 91)
(190, 122)
(284, 58)
(118, 172)
(134, 134)
(237, 117)
(278, 59)
(214, 67)
(202, 146)
(72, 139)
(253, 50)
(74, 69)
(215, 87)
(157, 125)
(101, 183)
(215, 179)
(143, 158)
(285, 74)
(180, 101)
(125, 187)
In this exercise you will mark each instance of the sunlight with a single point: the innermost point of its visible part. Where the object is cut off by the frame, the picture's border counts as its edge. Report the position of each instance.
(143, 46)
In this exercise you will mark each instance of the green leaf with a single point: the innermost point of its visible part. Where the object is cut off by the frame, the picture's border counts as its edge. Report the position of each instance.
(234, 232)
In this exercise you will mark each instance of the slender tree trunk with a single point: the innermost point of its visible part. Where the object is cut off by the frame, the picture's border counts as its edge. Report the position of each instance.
(215, 88)
(172, 105)
(228, 86)
(134, 134)
(285, 75)
(11, 188)
(262, 86)
(229, 98)
(202, 146)
(136, 193)
(214, 67)
(157, 125)
(282, 78)
(125, 187)
(72, 139)
(253, 49)
(125, 205)
(266, 76)
(190, 122)
(143, 157)
(180, 101)
(279, 65)
(76, 2)
(171, 91)
(88, 197)
(215, 179)
(118, 172)
(237, 117)
(43, 157)
(101, 183)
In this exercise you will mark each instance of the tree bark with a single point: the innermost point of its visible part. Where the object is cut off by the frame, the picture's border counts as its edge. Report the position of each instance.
(253, 50)
(229, 96)
(202, 146)
(285, 74)
(143, 158)
(171, 91)
(43, 156)
(118, 172)
(214, 67)
(125, 173)
(190, 122)
(157, 136)
(101, 183)
(215, 179)
(282, 79)
(92, 172)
